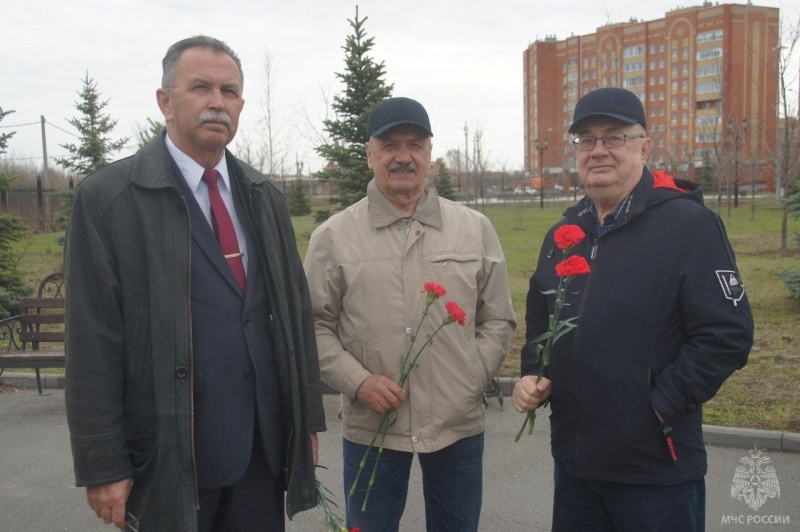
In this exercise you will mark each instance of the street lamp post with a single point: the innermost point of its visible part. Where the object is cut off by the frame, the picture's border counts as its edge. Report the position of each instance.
(541, 149)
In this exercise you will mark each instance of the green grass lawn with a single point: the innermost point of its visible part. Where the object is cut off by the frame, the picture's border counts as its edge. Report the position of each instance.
(764, 394)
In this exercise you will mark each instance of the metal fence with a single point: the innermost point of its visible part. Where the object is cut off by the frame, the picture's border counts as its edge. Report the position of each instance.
(36, 205)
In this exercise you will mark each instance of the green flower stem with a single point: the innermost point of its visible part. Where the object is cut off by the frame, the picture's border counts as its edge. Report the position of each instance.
(383, 426)
(530, 418)
(375, 466)
(390, 417)
(404, 376)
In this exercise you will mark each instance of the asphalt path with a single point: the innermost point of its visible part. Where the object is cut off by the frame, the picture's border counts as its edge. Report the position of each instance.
(37, 490)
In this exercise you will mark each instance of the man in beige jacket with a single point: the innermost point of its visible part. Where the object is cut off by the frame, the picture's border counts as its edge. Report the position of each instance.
(366, 268)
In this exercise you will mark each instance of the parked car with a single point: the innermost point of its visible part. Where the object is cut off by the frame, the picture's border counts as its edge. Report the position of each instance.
(527, 191)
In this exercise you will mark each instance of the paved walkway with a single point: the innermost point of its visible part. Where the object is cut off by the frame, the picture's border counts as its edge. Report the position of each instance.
(37, 493)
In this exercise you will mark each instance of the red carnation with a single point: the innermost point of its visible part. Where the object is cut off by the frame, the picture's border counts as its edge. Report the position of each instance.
(456, 313)
(567, 236)
(574, 265)
(435, 288)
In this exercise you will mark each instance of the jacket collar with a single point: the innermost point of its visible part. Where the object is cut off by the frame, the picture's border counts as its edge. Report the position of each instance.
(643, 196)
(153, 168)
(383, 214)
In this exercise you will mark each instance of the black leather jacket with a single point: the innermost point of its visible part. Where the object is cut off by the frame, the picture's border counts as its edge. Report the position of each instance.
(127, 269)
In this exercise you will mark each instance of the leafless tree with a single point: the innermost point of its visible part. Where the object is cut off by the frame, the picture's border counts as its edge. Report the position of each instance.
(274, 133)
(787, 152)
(455, 160)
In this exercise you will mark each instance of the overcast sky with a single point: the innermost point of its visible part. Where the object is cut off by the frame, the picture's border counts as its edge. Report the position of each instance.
(462, 59)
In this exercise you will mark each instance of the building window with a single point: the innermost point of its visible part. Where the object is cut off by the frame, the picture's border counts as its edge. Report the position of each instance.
(709, 53)
(685, 51)
(709, 36)
(633, 67)
(709, 70)
(652, 65)
(661, 80)
(632, 51)
(675, 70)
(631, 82)
(652, 48)
(674, 53)
(711, 86)
(685, 84)
(685, 68)
(673, 117)
(674, 101)
(685, 100)
(674, 85)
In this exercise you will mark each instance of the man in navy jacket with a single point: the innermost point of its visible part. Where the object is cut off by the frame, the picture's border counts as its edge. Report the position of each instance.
(663, 320)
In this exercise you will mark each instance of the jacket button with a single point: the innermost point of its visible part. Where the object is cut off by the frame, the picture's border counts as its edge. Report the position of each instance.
(246, 322)
(181, 372)
(248, 374)
(418, 232)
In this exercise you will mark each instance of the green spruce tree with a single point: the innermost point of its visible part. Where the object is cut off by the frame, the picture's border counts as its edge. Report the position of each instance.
(4, 136)
(299, 205)
(95, 147)
(148, 133)
(364, 88)
(443, 182)
(12, 229)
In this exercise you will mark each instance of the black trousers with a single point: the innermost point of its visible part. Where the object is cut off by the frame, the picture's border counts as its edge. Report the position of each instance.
(253, 504)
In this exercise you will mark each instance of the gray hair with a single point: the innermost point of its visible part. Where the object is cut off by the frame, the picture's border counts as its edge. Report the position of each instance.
(170, 60)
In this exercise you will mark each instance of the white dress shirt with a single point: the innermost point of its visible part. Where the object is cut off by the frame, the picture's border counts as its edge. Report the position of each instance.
(193, 174)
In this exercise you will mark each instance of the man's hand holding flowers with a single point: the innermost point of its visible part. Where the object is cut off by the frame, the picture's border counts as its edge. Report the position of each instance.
(528, 394)
(380, 393)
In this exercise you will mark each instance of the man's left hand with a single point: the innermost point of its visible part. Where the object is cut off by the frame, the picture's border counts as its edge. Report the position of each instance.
(315, 448)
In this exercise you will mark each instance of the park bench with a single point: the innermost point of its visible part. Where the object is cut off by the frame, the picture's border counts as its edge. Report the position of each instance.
(35, 338)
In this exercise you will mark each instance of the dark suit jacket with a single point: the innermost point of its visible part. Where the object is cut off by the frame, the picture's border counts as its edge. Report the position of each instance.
(235, 372)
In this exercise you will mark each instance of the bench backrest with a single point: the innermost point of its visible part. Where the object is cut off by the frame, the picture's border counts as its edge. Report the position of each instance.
(38, 311)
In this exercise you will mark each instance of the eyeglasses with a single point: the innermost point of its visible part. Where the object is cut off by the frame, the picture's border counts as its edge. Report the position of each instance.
(610, 140)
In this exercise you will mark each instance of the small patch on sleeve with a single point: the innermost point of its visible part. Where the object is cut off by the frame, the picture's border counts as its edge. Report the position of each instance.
(731, 283)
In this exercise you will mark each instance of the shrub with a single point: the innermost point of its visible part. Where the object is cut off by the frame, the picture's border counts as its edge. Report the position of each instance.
(791, 278)
(321, 216)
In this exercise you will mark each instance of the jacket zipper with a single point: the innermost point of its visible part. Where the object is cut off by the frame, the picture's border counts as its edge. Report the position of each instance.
(584, 298)
(191, 354)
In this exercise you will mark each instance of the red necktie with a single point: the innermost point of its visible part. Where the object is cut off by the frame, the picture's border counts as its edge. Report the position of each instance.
(223, 227)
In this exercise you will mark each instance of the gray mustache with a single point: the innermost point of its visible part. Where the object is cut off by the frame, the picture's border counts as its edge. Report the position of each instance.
(403, 166)
(212, 116)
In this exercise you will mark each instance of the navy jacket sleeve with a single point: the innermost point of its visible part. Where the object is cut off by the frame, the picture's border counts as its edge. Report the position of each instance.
(719, 327)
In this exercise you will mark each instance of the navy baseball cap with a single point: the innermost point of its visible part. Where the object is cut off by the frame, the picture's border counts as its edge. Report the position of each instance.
(619, 104)
(394, 112)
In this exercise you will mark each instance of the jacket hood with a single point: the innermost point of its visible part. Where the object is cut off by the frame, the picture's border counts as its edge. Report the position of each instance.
(652, 189)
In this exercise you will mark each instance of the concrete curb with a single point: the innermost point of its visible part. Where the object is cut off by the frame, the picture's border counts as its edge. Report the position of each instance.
(772, 440)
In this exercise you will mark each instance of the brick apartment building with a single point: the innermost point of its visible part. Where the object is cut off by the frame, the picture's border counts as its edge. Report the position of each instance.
(707, 78)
